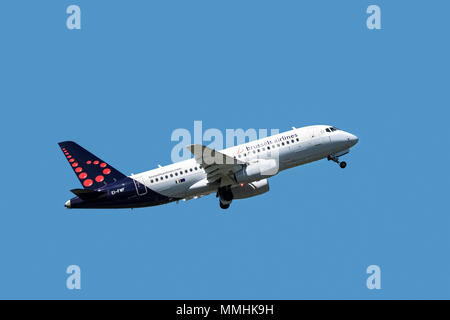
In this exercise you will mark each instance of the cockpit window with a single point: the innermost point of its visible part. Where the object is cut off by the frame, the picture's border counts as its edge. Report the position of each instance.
(327, 130)
(332, 129)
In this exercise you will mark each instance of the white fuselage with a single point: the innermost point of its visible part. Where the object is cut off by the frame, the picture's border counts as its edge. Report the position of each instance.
(187, 179)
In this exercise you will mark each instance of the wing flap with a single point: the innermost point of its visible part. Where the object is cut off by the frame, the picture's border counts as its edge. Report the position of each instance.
(207, 156)
(217, 165)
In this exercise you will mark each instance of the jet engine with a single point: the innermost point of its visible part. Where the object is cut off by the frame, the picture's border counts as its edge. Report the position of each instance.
(252, 189)
(259, 170)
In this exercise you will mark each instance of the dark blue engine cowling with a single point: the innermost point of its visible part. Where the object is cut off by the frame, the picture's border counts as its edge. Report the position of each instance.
(125, 193)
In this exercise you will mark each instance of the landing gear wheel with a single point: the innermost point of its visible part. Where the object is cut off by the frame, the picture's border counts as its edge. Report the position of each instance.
(343, 164)
(224, 206)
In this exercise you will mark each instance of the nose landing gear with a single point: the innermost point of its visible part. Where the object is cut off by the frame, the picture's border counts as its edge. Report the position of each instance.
(341, 164)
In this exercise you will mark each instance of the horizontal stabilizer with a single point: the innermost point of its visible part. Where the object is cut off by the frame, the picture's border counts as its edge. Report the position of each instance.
(87, 194)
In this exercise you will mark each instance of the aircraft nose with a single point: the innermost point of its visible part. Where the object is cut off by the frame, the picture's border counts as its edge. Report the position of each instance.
(352, 139)
(67, 204)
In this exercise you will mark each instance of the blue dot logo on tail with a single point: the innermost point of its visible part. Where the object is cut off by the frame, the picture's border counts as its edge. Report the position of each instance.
(92, 172)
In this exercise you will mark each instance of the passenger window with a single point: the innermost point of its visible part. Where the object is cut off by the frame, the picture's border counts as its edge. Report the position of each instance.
(151, 181)
(190, 169)
(176, 173)
(156, 179)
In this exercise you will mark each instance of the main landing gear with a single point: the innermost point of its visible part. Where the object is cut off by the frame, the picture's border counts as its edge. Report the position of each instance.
(341, 164)
(225, 196)
(224, 206)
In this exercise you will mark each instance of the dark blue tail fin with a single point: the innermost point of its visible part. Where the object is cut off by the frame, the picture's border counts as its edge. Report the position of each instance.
(92, 172)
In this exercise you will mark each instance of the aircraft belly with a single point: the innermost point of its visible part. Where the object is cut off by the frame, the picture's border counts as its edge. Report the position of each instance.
(169, 189)
(189, 187)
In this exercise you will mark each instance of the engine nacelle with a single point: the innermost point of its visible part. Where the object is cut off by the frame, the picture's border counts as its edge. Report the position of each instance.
(262, 169)
(252, 189)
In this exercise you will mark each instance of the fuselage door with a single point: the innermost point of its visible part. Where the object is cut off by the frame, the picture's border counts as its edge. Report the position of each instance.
(141, 189)
(312, 143)
(319, 139)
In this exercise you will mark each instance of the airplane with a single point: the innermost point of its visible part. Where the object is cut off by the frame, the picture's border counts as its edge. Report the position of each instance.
(235, 173)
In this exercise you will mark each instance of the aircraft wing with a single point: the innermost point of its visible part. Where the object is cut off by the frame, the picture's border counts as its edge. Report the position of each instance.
(218, 166)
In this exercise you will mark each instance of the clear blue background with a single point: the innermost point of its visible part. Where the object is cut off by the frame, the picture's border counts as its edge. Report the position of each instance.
(140, 69)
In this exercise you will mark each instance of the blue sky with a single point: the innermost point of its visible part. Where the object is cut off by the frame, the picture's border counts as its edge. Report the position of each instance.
(137, 70)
